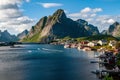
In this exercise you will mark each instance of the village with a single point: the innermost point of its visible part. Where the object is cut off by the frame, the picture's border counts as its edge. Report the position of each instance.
(100, 45)
(86, 45)
(109, 59)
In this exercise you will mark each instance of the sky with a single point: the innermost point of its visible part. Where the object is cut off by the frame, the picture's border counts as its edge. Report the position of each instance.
(18, 15)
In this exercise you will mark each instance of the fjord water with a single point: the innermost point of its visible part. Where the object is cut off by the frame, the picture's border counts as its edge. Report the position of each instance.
(45, 62)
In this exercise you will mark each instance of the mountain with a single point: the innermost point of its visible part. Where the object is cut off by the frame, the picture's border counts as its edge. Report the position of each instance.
(22, 34)
(58, 26)
(104, 32)
(92, 30)
(114, 30)
(5, 36)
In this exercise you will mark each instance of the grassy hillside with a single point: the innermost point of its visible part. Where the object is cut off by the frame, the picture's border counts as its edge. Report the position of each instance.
(97, 37)
(35, 38)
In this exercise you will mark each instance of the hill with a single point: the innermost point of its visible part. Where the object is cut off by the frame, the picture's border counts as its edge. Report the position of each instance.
(59, 26)
(98, 37)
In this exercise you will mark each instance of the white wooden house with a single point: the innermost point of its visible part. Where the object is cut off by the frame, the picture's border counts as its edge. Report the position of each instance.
(102, 42)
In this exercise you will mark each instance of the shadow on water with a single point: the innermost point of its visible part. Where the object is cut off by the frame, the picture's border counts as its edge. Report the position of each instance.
(46, 62)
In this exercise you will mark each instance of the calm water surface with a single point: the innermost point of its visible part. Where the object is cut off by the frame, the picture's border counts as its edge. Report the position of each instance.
(45, 62)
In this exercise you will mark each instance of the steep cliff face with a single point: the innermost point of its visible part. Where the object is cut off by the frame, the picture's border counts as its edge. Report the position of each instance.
(92, 30)
(58, 26)
(35, 32)
(61, 26)
(113, 30)
(104, 32)
(116, 31)
(5, 36)
(38, 27)
(22, 34)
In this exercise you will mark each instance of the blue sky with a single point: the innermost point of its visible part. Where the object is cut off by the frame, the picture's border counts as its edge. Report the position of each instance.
(17, 15)
(34, 10)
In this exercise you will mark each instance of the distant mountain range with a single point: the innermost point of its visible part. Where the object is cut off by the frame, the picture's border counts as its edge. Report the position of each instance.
(5, 36)
(59, 26)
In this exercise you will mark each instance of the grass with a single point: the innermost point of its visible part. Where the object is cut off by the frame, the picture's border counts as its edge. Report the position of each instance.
(97, 37)
(100, 37)
(103, 46)
(91, 38)
(34, 38)
(107, 77)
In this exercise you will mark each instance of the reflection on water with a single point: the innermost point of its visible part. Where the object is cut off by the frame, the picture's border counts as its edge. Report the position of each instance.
(45, 62)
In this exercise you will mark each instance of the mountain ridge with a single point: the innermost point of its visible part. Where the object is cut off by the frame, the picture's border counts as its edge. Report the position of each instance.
(5, 36)
(114, 30)
(23, 34)
(58, 26)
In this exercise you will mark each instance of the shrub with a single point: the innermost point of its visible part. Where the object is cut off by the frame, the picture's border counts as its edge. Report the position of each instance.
(107, 77)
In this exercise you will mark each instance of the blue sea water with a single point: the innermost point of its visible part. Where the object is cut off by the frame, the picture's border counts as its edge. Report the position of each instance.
(46, 62)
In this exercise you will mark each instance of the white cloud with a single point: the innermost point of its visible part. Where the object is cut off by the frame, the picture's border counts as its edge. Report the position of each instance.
(11, 17)
(97, 10)
(90, 10)
(111, 21)
(86, 10)
(49, 5)
(8, 2)
(91, 15)
(85, 13)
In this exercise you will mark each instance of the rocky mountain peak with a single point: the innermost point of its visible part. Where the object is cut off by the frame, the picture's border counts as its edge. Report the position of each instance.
(5, 31)
(59, 26)
(92, 30)
(22, 34)
(60, 14)
(115, 23)
(104, 32)
(116, 30)
(112, 28)
(25, 31)
(5, 36)
(83, 22)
